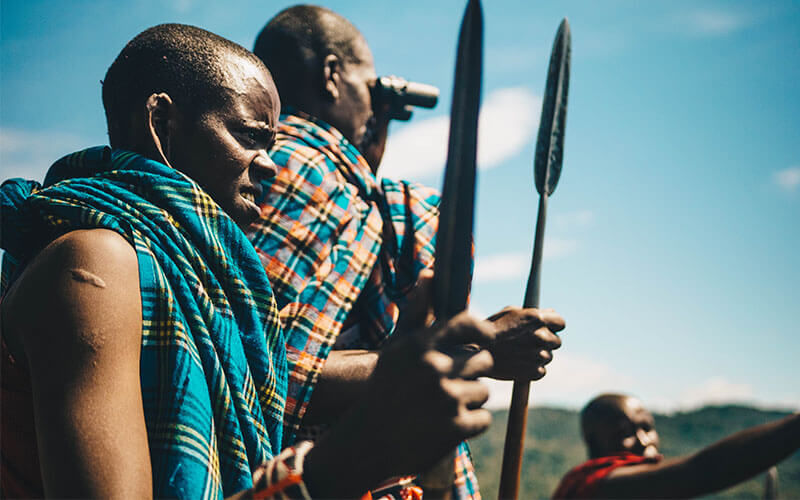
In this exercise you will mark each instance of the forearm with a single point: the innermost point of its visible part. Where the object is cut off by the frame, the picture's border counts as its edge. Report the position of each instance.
(342, 382)
(745, 454)
(725, 463)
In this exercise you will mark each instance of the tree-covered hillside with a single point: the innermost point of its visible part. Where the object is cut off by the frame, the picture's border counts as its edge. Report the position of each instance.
(553, 446)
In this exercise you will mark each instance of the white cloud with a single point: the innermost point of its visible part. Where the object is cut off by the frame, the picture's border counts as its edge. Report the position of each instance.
(513, 265)
(571, 380)
(714, 22)
(501, 267)
(507, 122)
(788, 178)
(29, 154)
(569, 220)
(555, 248)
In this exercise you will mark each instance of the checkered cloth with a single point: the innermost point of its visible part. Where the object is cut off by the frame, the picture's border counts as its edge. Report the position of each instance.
(213, 370)
(333, 239)
(584, 480)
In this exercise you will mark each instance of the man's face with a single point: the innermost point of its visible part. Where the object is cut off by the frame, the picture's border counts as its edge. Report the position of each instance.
(353, 110)
(225, 150)
(634, 431)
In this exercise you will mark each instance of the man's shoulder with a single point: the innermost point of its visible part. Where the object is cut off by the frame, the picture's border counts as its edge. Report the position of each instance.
(88, 248)
(84, 272)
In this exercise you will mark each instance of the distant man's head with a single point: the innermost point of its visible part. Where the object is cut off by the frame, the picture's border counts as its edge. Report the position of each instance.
(614, 423)
(199, 103)
(322, 65)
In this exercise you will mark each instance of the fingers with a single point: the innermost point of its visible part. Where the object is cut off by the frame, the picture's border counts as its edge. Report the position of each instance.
(554, 321)
(470, 363)
(469, 397)
(525, 339)
(529, 328)
(545, 338)
(462, 329)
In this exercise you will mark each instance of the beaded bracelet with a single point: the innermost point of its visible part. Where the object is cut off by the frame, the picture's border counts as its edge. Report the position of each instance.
(282, 477)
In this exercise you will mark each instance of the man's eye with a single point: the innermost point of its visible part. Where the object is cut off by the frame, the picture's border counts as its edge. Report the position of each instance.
(251, 136)
(258, 137)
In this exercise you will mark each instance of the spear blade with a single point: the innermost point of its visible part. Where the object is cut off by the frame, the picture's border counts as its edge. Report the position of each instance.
(550, 143)
(547, 170)
(453, 255)
(452, 266)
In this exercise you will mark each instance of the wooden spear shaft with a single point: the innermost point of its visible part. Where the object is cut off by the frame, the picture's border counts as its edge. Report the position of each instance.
(547, 170)
(518, 413)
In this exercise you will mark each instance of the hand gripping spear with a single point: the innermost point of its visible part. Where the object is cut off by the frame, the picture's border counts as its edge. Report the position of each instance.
(452, 267)
(547, 169)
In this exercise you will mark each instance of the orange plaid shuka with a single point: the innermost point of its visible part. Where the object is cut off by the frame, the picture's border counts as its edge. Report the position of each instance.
(331, 234)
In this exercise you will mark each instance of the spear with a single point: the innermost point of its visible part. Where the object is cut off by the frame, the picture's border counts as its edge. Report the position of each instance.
(771, 484)
(547, 169)
(453, 258)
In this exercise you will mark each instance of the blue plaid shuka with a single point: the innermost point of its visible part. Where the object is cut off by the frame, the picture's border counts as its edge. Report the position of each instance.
(213, 366)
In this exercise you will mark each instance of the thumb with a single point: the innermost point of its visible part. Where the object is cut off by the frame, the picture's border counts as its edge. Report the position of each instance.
(418, 312)
(459, 330)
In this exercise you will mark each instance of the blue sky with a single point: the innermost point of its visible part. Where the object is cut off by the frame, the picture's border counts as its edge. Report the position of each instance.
(673, 236)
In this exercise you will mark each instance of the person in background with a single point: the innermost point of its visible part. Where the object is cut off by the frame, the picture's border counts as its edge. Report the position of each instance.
(342, 248)
(624, 461)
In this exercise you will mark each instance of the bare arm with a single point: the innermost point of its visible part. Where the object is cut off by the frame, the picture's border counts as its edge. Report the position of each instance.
(725, 463)
(343, 381)
(76, 312)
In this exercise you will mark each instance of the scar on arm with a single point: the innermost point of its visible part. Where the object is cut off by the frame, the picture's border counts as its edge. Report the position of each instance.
(85, 276)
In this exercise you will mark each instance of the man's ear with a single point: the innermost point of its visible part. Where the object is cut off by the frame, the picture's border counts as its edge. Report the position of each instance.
(331, 67)
(159, 123)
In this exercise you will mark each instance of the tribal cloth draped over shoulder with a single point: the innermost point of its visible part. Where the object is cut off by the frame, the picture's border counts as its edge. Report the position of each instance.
(583, 480)
(334, 238)
(331, 233)
(213, 367)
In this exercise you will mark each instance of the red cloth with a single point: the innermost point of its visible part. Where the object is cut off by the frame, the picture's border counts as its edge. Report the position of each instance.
(20, 476)
(583, 480)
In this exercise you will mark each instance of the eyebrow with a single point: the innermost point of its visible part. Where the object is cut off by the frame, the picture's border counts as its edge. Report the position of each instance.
(258, 124)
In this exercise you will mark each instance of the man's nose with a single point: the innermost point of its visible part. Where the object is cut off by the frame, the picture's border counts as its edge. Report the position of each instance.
(644, 438)
(263, 166)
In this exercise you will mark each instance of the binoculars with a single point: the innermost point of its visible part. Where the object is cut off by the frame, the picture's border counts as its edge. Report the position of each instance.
(402, 95)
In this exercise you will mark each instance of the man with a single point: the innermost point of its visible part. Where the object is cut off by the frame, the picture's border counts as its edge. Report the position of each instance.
(624, 461)
(342, 249)
(142, 354)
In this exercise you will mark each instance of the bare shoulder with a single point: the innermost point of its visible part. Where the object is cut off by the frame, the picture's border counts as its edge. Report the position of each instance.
(82, 283)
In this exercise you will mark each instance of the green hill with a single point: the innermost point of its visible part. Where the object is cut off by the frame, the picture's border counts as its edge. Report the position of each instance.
(553, 446)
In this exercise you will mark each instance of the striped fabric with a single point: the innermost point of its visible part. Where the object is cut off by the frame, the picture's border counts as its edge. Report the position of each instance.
(213, 369)
(335, 240)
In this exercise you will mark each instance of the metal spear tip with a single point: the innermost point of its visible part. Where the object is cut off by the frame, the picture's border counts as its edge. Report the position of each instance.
(470, 36)
(452, 265)
(550, 143)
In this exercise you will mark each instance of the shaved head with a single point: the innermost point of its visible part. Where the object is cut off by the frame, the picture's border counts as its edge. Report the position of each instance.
(186, 62)
(614, 423)
(294, 43)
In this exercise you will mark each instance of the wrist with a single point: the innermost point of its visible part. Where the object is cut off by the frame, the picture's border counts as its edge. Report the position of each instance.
(344, 463)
